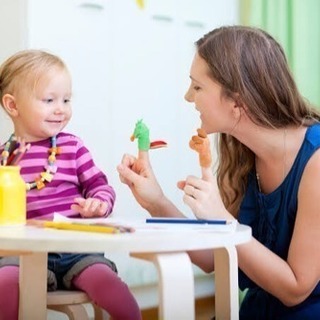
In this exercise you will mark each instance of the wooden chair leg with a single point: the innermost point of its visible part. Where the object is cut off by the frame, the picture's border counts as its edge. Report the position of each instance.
(98, 313)
(72, 303)
(74, 312)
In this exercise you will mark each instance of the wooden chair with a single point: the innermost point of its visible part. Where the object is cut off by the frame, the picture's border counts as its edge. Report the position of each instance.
(71, 303)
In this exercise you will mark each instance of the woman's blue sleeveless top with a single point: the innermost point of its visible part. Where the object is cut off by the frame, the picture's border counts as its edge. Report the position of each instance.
(272, 218)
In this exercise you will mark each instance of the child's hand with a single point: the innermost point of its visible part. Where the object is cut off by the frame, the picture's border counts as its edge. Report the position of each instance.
(90, 208)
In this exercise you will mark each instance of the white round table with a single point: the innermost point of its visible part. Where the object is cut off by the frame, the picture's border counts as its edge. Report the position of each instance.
(166, 248)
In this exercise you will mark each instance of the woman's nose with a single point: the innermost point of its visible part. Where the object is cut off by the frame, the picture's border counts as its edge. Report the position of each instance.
(188, 95)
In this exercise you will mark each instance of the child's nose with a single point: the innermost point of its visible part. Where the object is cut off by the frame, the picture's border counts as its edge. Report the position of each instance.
(59, 108)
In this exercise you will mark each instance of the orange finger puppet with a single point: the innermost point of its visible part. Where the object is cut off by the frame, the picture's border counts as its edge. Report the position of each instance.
(201, 144)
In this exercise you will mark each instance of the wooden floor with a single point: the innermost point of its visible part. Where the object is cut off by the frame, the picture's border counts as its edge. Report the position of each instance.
(204, 310)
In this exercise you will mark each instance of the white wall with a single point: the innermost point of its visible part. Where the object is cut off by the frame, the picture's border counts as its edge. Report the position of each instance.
(127, 63)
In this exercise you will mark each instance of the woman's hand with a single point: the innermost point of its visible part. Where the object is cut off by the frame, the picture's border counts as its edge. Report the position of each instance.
(203, 197)
(138, 175)
(90, 208)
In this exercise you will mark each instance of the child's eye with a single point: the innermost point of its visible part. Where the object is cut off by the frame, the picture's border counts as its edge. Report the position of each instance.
(66, 100)
(47, 100)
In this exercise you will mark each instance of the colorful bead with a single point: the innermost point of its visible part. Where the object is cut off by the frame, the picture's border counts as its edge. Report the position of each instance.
(55, 150)
(46, 176)
(5, 154)
(40, 184)
(52, 158)
(50, 168)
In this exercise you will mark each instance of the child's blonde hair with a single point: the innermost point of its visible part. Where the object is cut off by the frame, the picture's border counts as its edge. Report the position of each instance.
(25, 68)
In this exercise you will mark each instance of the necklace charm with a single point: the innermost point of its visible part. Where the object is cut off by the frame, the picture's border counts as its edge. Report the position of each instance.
(50, 168)
(6, 151)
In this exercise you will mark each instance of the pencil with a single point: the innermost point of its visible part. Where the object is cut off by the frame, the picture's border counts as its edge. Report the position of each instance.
(80, 227)
(186, 221)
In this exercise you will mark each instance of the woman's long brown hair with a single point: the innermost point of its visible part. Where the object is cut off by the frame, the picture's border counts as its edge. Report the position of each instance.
(250, 65)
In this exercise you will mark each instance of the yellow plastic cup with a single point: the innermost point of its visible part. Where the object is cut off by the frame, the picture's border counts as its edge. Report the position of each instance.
(12, 197)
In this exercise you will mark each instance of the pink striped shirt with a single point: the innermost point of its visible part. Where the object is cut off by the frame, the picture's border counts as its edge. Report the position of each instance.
(76, 176)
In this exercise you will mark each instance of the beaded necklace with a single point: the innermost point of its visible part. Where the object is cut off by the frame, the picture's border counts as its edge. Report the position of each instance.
(50, 169)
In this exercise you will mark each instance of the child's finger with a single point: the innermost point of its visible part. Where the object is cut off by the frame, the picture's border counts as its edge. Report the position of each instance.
(79, 201)
(75, 207)
(103, 208)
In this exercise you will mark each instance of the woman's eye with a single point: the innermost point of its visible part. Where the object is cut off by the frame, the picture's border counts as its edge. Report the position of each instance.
(196, 88)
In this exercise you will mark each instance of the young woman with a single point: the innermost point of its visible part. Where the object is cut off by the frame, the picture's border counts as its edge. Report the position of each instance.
(268, 171)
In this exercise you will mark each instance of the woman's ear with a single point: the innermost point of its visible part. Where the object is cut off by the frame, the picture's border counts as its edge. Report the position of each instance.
(9, 104)
(236, 108)
(236, 111)
(239, 107)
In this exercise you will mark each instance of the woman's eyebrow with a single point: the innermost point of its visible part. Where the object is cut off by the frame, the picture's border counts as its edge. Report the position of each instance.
(195, 80)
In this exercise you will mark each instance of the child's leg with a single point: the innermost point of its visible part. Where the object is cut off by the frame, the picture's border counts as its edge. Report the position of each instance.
(108, 291)
(9, 292)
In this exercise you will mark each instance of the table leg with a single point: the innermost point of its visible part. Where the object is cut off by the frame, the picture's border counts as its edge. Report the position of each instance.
(226, 283)
(33, 287)
(176, 284)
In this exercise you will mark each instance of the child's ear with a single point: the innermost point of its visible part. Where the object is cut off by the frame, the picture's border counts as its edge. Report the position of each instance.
(9, 104)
